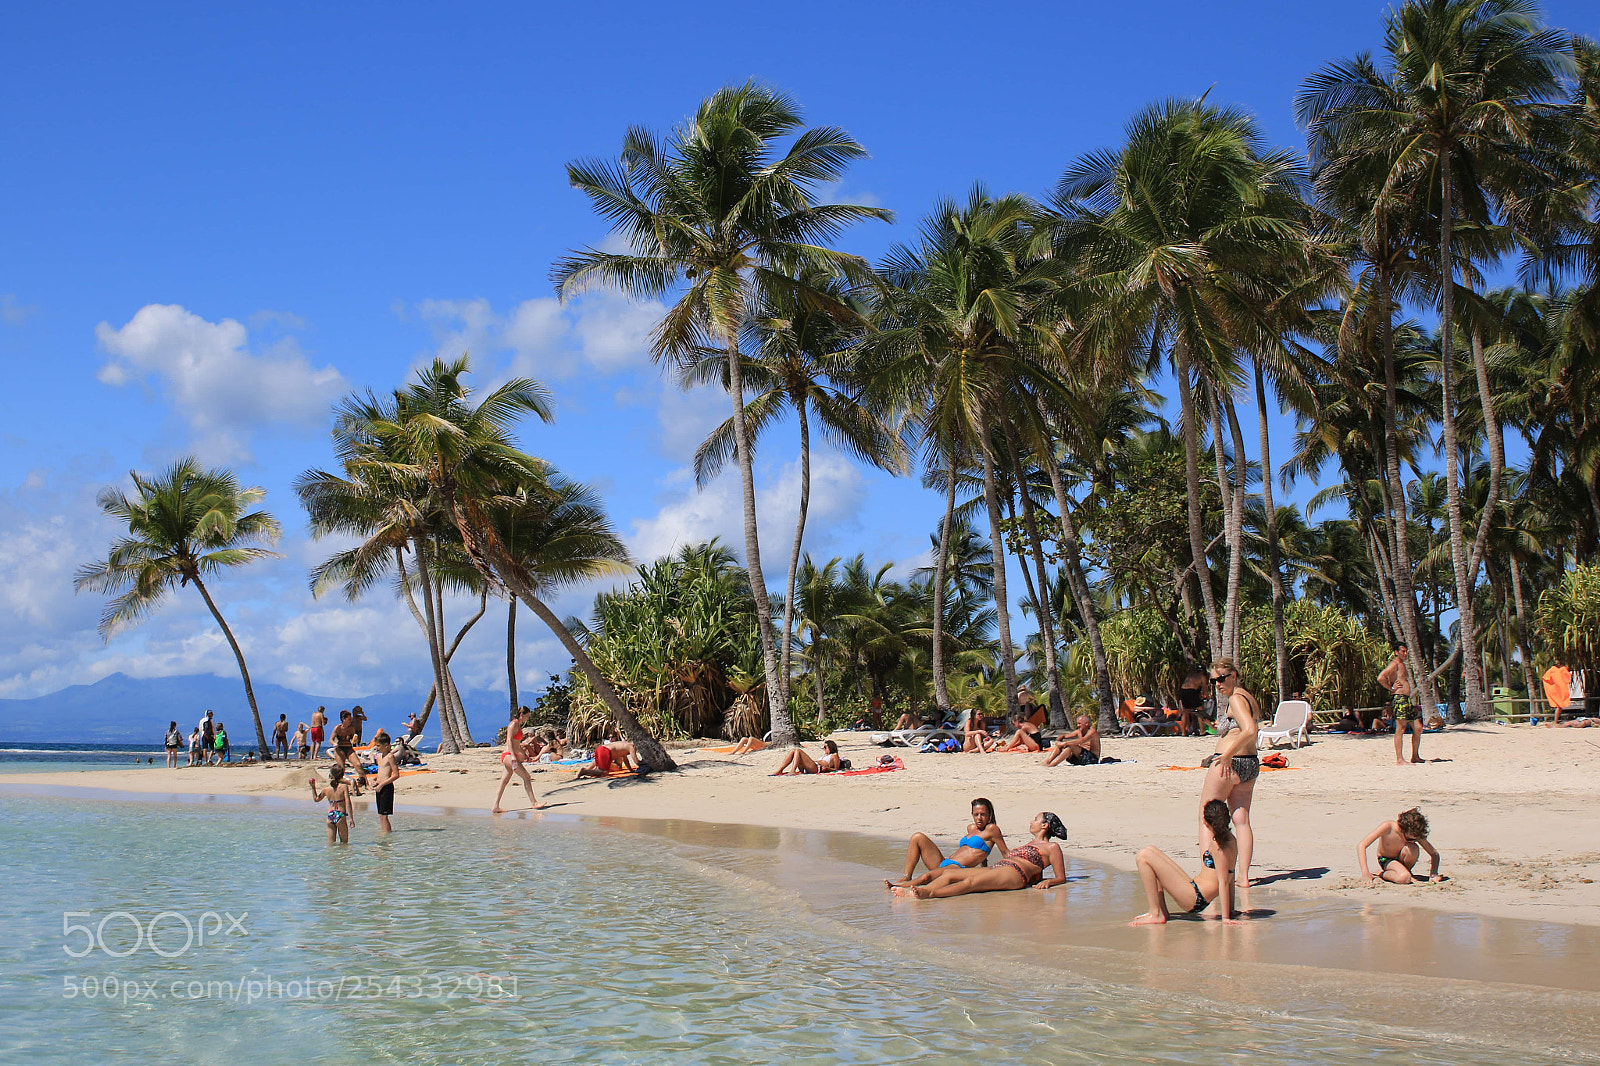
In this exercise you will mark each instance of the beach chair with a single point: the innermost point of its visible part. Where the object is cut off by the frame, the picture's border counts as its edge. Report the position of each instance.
(1289, 722)
(1134, 726)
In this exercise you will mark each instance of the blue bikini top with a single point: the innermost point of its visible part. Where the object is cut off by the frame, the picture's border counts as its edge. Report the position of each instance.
(975, 842)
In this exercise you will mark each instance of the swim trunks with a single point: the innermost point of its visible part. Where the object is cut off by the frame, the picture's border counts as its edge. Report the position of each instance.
(1084, 758)
(316, 734)
(602, 757)
(385, 799)
(1404, 709)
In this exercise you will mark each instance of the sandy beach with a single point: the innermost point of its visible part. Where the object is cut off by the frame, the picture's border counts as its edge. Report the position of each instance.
(1512, 808)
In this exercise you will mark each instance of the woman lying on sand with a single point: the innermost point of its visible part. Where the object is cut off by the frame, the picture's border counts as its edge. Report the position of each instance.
(800, 762)
(973, 849)
(1021, 868)
(1163, 877)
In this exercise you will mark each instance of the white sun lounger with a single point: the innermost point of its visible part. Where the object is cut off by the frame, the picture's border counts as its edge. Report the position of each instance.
(1289, 722)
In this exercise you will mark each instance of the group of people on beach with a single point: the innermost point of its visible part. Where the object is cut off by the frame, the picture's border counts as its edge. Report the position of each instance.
(1226, 839)
(207, 744)
(340, 792)
(525, 746)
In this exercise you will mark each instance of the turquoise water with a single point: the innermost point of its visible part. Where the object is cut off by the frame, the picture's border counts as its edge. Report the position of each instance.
(472, 940)
(39, 757)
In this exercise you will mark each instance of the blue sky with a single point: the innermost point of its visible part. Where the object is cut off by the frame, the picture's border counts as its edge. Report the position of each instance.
(216, 221)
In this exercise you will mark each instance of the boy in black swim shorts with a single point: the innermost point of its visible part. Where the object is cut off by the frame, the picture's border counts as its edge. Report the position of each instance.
(388, 774)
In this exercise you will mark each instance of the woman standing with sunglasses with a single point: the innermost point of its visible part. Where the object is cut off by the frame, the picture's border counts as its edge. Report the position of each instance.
(1232, 770)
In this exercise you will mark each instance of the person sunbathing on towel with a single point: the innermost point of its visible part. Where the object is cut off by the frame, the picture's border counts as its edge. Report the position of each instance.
(799, 761)
(1080, 747)
(747, 745)
(1022, 867)
(610, 755)
(1163, 877)
(972, 850)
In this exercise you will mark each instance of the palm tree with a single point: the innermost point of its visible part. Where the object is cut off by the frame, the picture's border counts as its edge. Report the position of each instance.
(1463, 120)
(801, 363)
(715, 206)
(184, 522)
(1184, 236)
(957, 342)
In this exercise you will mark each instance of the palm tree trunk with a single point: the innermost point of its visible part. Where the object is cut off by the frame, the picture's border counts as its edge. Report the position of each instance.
(998, 553)
(1404, 581)
(511, 654)
(1079, 584)
(244, 672)
(1191, 471)
(1497, 455)
(1235, 519)
(450, 693)
(799, 535)
(1452, 458)
(447, 725)
(941, 566)
(816, 675)
(1280, 643)
(783, 731)
(1047, 628)
(1522, 631)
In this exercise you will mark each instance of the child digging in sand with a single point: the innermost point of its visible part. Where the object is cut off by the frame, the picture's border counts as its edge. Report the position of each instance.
(1398, 843)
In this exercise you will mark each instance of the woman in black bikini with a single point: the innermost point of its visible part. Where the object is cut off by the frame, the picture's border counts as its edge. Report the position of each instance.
(1163, 877)
(1023, 867)
(1232, 770)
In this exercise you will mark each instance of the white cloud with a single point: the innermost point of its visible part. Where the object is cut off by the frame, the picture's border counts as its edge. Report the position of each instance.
(210, 376)
(689, 517)
(541, 338)
(12, 311)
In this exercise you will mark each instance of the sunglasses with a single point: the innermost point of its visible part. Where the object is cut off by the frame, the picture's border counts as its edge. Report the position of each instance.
(1222, 677)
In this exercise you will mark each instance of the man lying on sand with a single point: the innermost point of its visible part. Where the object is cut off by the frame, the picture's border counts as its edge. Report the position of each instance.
(1398, 843)
(1080, 747)
(972, 850)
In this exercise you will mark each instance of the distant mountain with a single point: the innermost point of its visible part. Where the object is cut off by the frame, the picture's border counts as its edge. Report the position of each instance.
(126, 710)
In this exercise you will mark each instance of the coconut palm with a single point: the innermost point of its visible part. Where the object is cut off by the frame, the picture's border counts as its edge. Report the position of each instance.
(184, 524)
(716, 206)
(1185, 234)
(801, 362)
(957, 343)
(1464, 119)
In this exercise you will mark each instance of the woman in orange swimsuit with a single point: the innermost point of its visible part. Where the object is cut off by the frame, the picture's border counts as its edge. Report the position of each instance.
(511, 762)
(1023, 867)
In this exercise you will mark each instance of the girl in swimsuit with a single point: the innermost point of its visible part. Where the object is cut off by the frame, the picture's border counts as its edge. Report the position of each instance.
(799, 761)
(511, 761)
(1232, 770)
(973, 849)
(1021, 868)
(1163, 877)
(338, 796)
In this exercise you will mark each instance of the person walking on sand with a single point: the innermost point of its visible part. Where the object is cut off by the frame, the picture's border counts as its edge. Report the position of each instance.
(388, 774)
(511, 762)
(340, 812)
(982, 836)
(174, 744)
(280, 737)
(1398, 843)
(1232, 769)
(1163, 877)
(319, 722)
(1407, 715)
(196, 747)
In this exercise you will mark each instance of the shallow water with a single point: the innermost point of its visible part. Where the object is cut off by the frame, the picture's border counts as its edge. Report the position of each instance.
(547, 939)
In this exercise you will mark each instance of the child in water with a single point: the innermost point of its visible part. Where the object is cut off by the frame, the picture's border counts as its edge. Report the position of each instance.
(388, 774)
(338, 796)
(1398, 843)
